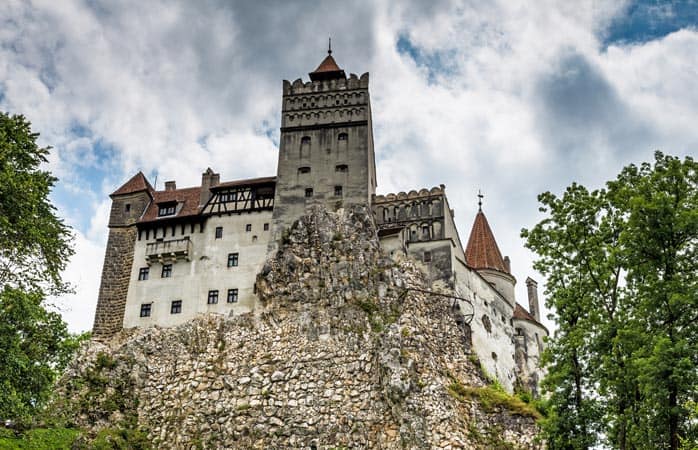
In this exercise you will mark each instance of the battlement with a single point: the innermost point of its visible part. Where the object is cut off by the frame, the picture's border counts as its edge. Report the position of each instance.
(336, 84)
(422, 193)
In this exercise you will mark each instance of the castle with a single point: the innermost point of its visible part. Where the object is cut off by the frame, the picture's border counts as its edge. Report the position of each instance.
(175, 253)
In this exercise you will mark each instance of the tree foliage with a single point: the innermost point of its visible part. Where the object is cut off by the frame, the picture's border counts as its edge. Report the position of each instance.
(34, 249)
(34, 242)
(621, 276)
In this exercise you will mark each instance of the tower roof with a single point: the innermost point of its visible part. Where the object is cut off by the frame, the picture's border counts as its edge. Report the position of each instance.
(482, 251)
(328, 68)
(137, 183)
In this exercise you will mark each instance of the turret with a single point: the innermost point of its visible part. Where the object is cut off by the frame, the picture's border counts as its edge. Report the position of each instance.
(482, 254)
(128, 205)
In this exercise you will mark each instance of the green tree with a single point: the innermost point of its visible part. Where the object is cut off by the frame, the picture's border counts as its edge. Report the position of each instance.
(34, 242)
(34, 249)
(621, 275)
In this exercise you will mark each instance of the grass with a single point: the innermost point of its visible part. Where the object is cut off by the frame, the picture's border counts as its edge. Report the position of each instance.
(39, 439)
(492, 397)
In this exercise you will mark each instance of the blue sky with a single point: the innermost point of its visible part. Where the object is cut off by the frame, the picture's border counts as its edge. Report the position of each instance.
(513, 98)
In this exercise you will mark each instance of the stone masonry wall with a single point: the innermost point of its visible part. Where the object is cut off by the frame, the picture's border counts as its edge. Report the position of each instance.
(113, 289)
(341, 354)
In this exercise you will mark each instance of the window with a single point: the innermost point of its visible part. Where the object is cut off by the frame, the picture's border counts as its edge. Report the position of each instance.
(266, 227)
(232, 259)
(176, 307)
(305, 169)
(425, 231)
(128, 207)
(166, 271)
(167, 209)
(219, 232)
(309, 192)
(145, 309)
(229, 196)
(232, 295)
(248, 227)
(342, 137)
(341, 168)
(338, 191)
(212, 297)
(305, 140)
(427, 256)
(143, 273)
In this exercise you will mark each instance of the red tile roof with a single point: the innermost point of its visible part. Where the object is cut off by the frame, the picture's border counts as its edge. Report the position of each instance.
(328, 65)
(482, 251)
(188, 196)
(327, 69)
(137, 183)
(247, 182)
(520, 313)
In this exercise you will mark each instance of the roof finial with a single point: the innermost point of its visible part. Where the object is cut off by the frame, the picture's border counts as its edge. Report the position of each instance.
(479, 201)
(329, 47)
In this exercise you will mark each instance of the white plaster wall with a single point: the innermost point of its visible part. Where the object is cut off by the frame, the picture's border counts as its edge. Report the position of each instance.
(499, 340)
(534, 344)
(206, 270)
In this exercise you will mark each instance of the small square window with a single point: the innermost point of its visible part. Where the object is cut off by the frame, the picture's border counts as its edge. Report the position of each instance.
(427, 256)
(176, 307)
(219, 232)
(248, 227)
(167, 209)
(212, 297)
(309, 192)
(338, 191)
(232, 259)
(305, 169)
(166, 271)
(145, 309)
(266, 227)
(143, 273)
(341, 168)
(232, 295)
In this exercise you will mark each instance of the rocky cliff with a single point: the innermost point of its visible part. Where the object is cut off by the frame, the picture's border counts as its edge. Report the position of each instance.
(342, 353)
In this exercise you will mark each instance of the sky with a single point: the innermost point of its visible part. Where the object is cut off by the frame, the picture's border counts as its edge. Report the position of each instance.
(513, 98)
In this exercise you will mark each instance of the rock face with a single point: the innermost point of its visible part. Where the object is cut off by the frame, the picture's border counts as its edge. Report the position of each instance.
(343, 355)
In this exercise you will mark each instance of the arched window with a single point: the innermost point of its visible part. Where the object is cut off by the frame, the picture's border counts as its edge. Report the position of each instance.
(343, 137)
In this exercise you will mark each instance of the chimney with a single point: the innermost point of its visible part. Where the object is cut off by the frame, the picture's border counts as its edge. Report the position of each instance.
(507, 265)
(208, 180)
(170, 185)
(533, 307)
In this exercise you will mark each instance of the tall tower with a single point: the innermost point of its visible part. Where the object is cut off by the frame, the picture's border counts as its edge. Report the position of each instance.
(326, 147)
(128, 204)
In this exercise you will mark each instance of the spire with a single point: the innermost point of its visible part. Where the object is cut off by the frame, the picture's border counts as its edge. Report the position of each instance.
(482, 251)
(328, 68)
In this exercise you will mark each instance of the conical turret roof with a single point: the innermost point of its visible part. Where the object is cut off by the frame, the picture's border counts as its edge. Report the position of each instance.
(137, 183)
(482, 251)
(327, 70)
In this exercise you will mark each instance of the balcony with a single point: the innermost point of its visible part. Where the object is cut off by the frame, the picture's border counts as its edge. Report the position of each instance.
(168, 251)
